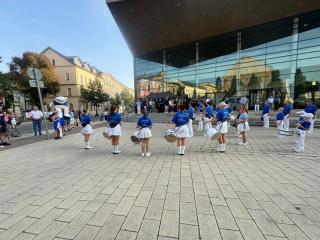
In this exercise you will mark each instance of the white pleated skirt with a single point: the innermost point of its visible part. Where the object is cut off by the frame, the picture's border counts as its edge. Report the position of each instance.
(116, 131)
(222, 127)
(87, 129)
(145, 133)
(182, 131)
(243, 127)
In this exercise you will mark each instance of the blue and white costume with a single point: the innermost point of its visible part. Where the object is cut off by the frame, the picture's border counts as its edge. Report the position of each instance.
(208, 116)
(181, 120)
(200, 116)
(303, 127)
(286, 112)
(313, 110)
(222, 123)
(265, 115)
(243, 126)
(114, 127)
(191, 117)
(280, 123)
(144, 123)
(85, 121)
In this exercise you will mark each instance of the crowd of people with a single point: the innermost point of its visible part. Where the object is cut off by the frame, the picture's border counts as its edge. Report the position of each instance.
(214, 121)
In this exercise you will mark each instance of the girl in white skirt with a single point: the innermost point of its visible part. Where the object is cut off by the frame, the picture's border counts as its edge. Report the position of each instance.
(144, 123)
(87, 128)
(243, 125)
(114, 131)
(181, 120)
(222, 126)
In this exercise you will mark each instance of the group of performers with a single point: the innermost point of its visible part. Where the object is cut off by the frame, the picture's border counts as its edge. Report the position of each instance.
(216, 123)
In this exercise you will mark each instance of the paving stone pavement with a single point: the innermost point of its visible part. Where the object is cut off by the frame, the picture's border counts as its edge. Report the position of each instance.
(57, 190)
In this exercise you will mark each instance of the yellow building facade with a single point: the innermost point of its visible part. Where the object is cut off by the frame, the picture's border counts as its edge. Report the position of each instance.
(73, 74)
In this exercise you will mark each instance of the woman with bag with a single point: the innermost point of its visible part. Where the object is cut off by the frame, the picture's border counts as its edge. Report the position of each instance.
(114, 131)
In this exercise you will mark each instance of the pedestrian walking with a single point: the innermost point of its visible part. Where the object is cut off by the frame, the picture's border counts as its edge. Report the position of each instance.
(87, 130)
(144, 124)
(114, 131)
(3, 129)
(36, 117)
(265, 114)
(257, 104)
(181, 121)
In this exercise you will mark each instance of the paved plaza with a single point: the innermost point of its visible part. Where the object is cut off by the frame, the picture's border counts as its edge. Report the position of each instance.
(57, 190)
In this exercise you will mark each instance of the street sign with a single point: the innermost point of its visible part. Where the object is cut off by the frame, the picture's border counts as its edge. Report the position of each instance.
(33, 83)
(33, 71)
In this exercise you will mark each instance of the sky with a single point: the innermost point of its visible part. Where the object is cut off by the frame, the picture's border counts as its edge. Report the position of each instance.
(83, 28)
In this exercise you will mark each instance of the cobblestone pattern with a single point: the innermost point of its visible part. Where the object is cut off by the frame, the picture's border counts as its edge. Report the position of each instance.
(57, 190)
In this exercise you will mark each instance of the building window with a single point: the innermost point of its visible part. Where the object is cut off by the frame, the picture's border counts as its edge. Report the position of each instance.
(69, 92)
(67, 76)
(53, 62)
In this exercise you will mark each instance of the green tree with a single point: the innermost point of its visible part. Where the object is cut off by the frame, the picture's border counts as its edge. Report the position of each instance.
(127, 97)
(299, 83)
(254, 82)
(276, 81)
(6, 88)
(233, 87)
(94, 94)
(18, 69)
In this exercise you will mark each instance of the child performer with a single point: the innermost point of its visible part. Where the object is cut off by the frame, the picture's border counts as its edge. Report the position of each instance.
(87, 128)
(145, 123)
(208, 115)
(56, 125)
(181, 120)
(200, 115)
(265, 114)
(243, 125)
(115, 122)
(286, 112)
(303, 126)
(191, 117)
(222, 126)
(280, 121)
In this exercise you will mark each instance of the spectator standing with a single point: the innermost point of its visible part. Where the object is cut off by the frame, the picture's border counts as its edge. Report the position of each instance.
(138, 104)
(36, 117)
(257, 104)
(270, 101)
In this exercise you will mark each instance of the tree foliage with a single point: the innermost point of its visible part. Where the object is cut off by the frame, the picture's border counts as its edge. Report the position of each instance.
(6, 88)
(299, 83)
(254, 82)
(276, 81)
(233, 87)
(94, 93)
(219, 84)
(18, 69)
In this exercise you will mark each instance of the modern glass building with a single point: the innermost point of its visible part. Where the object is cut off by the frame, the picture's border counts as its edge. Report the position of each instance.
(279, 55)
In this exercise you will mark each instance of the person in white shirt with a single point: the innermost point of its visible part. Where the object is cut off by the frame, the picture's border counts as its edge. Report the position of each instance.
(36, 117)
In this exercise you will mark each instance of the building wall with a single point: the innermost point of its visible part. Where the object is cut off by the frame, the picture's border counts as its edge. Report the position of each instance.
(72, 78)
(276, 54)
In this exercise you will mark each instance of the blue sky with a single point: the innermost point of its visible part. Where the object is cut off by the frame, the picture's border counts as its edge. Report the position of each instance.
(83, 28)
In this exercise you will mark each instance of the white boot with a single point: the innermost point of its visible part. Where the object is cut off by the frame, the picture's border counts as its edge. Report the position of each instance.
(116, 151)
(224, 147)
(183, 149)
(87, 145)
(179, 150)
(219, 147)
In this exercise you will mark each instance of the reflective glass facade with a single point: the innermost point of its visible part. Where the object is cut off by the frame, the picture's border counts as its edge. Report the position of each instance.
(281, 56)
